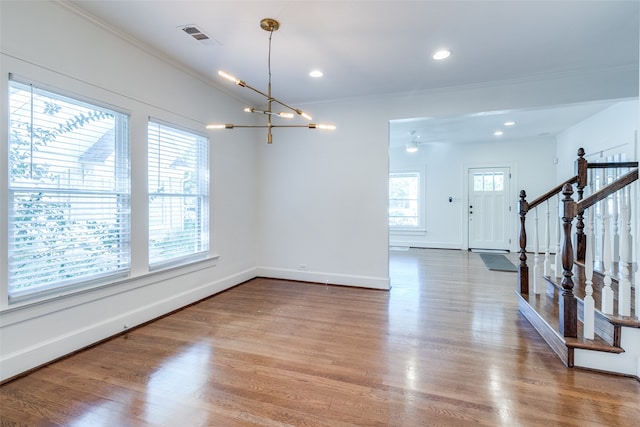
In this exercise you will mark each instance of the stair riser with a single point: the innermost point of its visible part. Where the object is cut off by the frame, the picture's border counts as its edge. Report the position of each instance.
(602, 326)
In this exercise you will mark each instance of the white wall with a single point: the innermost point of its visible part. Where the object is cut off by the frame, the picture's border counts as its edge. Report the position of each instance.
(321, 205)
(47, 43)
(532, 168)
(609, 132)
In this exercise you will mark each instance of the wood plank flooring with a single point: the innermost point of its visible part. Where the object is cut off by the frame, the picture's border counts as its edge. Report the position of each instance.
(446, 346)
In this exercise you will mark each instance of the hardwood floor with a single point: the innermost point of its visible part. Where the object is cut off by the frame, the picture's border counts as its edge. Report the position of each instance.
(446, 346)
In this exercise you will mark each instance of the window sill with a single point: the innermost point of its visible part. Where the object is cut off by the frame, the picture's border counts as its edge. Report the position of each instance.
(73, 297)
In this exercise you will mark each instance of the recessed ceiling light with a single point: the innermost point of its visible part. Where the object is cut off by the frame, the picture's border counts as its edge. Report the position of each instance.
(316, 73)
(441, 54)
(509, 123)
(498, 133)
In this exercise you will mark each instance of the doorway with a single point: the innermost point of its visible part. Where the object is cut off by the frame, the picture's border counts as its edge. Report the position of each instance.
(488, 208)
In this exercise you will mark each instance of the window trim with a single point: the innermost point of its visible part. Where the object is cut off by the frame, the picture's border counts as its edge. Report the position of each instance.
(101, 290)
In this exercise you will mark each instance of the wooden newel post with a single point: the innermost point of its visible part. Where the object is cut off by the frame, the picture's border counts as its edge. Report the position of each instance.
(581, 238)
(568, 303)
(523, 269)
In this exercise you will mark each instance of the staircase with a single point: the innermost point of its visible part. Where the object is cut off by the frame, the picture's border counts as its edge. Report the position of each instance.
(581, 295)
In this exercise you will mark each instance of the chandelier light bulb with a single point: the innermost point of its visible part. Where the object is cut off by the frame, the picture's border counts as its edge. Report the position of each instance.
(229, 77)
(305, 115)
(220, 126)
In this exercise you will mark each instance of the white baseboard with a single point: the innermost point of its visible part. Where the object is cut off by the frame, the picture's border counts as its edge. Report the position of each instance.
(44, 352)
(425, 245)
(326, 278)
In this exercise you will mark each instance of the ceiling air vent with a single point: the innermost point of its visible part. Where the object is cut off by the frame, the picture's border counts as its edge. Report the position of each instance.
(199, 35)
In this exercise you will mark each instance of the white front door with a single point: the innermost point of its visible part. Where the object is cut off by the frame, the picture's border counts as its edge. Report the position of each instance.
(488, 208)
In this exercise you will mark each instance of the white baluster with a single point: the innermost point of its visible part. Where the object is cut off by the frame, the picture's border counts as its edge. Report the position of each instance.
(537, 285)
(615, 217)
(593, 178)
(547, 244)
(589, 304)
(624, 286)
(600, 209)
(557, 263)
(607, 292)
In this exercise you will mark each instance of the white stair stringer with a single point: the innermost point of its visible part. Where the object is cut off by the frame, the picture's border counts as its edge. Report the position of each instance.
(627, 363)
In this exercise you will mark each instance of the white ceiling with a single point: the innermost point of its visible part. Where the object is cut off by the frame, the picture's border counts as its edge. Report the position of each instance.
(368, 48)
(480, 127)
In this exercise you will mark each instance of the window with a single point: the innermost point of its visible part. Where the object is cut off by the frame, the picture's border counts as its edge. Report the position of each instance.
(404, 200)
(178, 195)
(68, 193)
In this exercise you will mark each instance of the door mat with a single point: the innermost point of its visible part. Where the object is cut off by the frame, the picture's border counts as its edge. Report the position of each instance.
(498, 262)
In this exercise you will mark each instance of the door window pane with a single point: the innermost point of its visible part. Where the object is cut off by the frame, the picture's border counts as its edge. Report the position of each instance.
(488, 181)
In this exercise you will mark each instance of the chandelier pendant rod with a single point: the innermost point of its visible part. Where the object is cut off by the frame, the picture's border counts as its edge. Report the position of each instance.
(269, 98)
(308, 126)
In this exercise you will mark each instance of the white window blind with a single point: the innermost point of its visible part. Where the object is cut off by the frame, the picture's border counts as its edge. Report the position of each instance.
(178, 195)
(68, 192)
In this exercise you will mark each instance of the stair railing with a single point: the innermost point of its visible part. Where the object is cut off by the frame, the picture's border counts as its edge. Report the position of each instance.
(523, 208)
(615, 201)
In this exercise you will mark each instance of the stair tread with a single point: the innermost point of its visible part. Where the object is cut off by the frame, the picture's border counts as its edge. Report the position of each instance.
(546, 306)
